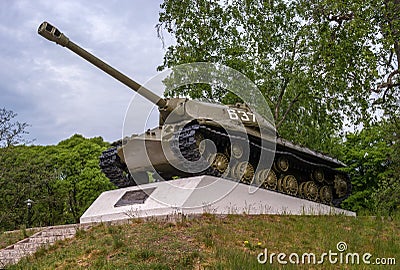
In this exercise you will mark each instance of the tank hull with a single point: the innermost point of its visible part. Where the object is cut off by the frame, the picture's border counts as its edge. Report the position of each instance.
(147, 152)
(295, 170)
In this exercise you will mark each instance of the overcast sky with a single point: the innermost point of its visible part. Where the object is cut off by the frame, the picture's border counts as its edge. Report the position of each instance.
(60, 94)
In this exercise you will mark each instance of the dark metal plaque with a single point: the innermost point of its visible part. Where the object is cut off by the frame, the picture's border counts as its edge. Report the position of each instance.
(134, 197)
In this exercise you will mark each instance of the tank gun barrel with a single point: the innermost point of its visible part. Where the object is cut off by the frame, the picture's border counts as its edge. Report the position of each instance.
(53, 34)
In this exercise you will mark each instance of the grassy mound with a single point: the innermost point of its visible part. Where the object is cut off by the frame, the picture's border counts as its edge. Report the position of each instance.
(230, 242)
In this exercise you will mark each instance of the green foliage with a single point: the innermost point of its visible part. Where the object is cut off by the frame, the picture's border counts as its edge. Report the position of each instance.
(315, 62)
(372, 168)
(62, 180)
(82, 180)
(386, 197)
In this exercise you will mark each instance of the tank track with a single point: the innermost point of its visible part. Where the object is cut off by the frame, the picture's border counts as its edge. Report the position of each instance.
(186, 144)
(111, 165)
(185, 147)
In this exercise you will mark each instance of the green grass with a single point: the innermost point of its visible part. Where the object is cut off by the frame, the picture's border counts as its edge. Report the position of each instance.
(209, 242)
(11, 237)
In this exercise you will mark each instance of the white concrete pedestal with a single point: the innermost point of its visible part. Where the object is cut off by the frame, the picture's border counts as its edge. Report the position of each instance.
(198, 195)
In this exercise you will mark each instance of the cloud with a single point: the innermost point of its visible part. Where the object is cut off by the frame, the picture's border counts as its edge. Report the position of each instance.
(59, 93)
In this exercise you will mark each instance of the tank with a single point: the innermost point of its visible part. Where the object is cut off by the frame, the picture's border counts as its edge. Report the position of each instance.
(202, 138)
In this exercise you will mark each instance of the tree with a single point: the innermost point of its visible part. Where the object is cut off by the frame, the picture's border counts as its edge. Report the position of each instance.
(62, 180)
(373, 169)
(79, 173)
(11, 131)
(23, 173)
(388, 83)
(314, 61)
(386, 197)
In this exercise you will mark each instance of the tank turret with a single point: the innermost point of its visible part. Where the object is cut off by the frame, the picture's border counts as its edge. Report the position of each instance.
(197, 137)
